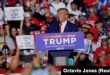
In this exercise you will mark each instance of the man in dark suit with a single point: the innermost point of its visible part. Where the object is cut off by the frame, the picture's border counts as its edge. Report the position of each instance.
(62, 24)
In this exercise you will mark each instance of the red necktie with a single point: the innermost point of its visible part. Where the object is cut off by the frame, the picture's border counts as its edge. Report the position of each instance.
(60, 27)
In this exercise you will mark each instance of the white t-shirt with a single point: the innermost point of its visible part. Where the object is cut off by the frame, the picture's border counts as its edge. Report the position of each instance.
(76, 13)
(69, 6)
(94, 47)
(57, 6)
(9, 42)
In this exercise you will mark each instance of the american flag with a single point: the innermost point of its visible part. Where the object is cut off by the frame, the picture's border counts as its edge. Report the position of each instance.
(103, 34)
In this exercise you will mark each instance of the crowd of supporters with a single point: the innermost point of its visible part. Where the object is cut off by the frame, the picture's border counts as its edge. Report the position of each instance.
(44, 16)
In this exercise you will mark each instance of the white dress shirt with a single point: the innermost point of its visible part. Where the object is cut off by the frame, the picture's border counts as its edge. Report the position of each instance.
(63, 25)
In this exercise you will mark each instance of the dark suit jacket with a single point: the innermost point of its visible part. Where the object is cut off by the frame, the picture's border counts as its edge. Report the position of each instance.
(54, 27)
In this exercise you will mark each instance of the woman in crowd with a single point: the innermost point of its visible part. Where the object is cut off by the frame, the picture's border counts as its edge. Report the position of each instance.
(82, 60)
(27, 27)
(103, 57)
(100, 50)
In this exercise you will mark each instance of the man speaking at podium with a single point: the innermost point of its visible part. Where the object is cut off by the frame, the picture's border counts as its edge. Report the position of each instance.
(62, 24)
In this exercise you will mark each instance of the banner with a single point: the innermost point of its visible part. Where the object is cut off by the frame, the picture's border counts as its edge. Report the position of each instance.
(14, 13)
(59, 41)
(25, 42)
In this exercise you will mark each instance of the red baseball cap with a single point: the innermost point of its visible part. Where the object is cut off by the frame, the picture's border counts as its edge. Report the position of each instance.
(104, 8)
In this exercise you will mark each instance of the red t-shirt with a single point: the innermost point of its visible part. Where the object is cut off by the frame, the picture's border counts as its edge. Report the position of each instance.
(98, 51)
(11, 2)
(95, 33)
(89, 3)
(94, 18)
(107, 60)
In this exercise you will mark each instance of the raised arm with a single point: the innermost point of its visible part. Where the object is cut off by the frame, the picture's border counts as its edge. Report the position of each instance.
(21, 28)
(7, 27)
(15, 61)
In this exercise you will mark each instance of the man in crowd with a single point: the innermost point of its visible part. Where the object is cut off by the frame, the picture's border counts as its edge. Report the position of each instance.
(75, 10)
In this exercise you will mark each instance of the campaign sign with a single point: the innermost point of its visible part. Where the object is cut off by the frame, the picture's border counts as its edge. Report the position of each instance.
(14, 13)
(86, 49)
(59, 41)
(25, 42)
